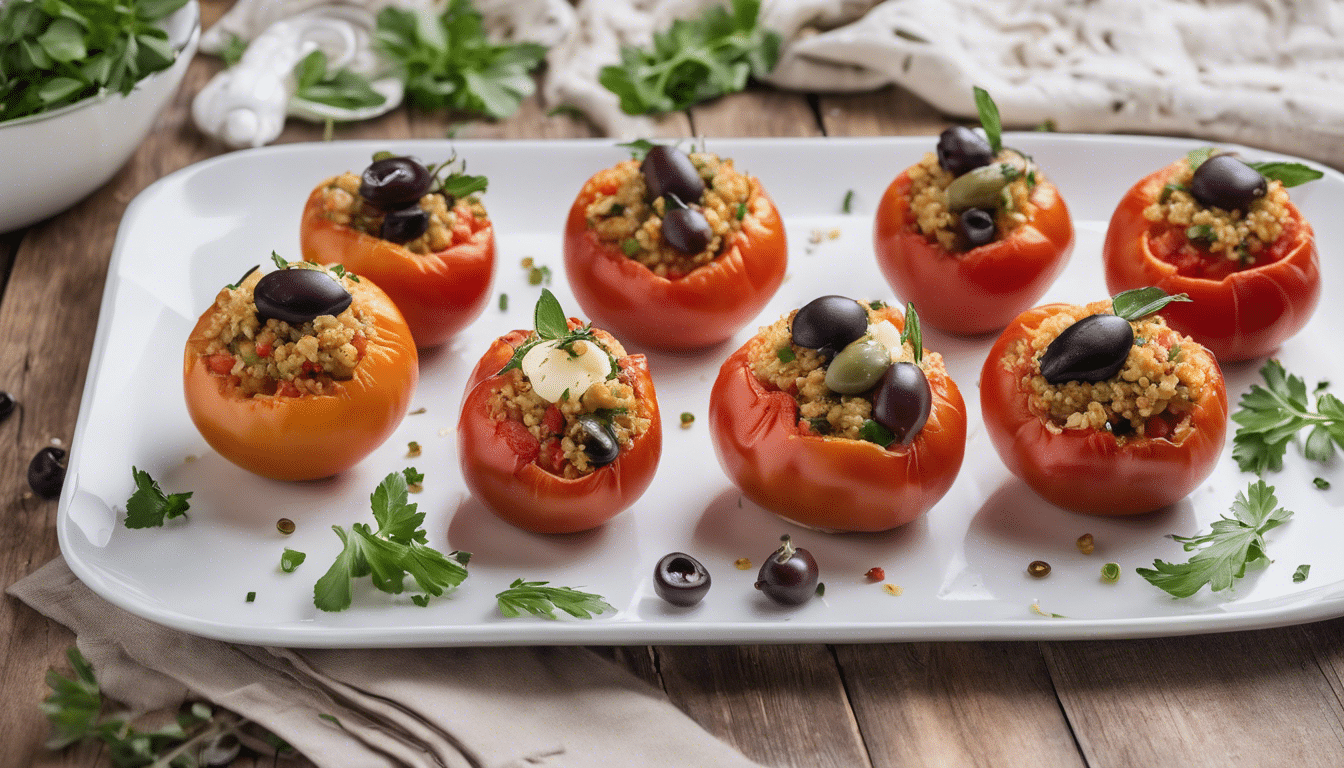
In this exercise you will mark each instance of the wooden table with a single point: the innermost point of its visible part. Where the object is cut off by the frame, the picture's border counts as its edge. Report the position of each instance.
(1261, 698)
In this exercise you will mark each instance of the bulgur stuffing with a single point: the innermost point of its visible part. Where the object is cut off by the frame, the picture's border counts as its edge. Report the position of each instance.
(780, 364)
(1239, 235)
(556, 425)
(936, 220)
(276, 358)
(448, 219)
(621, 214)
(1152, 395)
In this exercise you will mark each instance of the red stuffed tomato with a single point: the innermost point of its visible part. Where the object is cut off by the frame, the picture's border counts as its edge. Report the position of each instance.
(1239, 309)
(1128, 465)
(440, 278)
(975, 289)
(317, 423)
(835, 483)
(695, 293)
(524, 475)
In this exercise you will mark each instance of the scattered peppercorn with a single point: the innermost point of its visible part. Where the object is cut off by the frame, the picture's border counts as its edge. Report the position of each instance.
(876, 573)
(1085, 544)
(284, 525)
(1039, 568)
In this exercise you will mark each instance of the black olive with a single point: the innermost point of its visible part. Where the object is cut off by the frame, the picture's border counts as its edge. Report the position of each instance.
(789, 575)
(829, 322)
(1092, 349)
(600, 443)
(680, 579)
(7, 405)
(668, 170)
(405, 225)
(903, 401)
(395, 182)
(46, 473)
(298, 295)
(961, 149)
(1225, 182)
(976, 227)
(687, 230)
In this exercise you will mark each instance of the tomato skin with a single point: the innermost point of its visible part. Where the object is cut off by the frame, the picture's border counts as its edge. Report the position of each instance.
(1088, 470)
(1245, 314)
(438, 293)
(830, 483)
(306, 437)
(984, 288)
(521, 492)
(702, 308)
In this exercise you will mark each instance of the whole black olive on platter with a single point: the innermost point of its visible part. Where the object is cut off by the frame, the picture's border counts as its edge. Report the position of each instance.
(600, 441)
(1092, 349)
(903, 401)
(395, 182)
(789, 575)
(406, 224)
(668, 170)
(680, 579)
(976, 227)
(961, 149)
(7, 405)
(46, 473)
(297, 295)
(1225, 182)
(830, 321)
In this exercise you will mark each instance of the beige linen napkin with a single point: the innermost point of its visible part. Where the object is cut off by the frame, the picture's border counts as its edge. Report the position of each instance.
(544, 707)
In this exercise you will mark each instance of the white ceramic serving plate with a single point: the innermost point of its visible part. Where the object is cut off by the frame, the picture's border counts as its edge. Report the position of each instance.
(962, 567)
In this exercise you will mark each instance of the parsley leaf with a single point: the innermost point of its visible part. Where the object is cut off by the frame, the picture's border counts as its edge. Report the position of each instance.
(1196, 157)
(291, 559)
(875, 432)
(1232, 544)
(1141, 302)
(342, 89)
(536, 598)
(1269, 417)
(694, 60)
(989, 118)
(75, 702)
(911, 332)
(148, 507)
(1300, 575)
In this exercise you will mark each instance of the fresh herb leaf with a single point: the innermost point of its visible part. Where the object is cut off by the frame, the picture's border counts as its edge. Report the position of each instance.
(1225, 552)
(630, 246)
(233, 50)
(278, 262)
(1110, 573)
(911, 333)
(548, 317)
(148, 507)
(1196, 157)
(342, 89)
(989, 118)
(503, 302)
(1174, 354)
(1202, 232)
(1301, 574)
(1287, 174)
(412, 476)
(874, 432)
(1167, 189)
(820, 425)
(251, 597)
(785, 355)
(848, 205)
(538, 599)
(1321, 483)
(448, 62)
(75, 703)
(539, 275)
(1142, 302)
(247, 274)
(1269, 417)
(694, 60)
(742, 211)
(291, 559)
(639, 148)
(420, 600)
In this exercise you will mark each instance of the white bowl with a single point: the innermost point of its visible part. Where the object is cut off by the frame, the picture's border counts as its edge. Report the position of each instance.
(54, 159)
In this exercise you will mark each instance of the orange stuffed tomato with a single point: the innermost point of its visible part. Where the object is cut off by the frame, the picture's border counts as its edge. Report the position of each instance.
(1103, 412)
(300, 373)
(974, 248)
(676, 252)
(865, 438)
(560, 429)
(1253, 272)
(425, 240)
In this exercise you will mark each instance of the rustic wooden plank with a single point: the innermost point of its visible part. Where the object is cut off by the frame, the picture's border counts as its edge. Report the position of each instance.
(891, 111)
(1244, 698)
(757, 112)
(965, 704)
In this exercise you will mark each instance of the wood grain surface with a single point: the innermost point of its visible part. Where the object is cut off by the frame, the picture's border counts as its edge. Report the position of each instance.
(1264, 698)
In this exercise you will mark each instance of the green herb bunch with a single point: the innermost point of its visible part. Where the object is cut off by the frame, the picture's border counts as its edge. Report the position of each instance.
(57, 52)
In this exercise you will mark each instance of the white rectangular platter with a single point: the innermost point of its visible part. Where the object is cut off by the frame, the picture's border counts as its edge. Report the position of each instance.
(962, 568)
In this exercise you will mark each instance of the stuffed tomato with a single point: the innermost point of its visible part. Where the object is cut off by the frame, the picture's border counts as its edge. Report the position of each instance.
(1218, 230)
(560, 428)
(1103, 408)
(835, 418)
(675, 252)
(421, 234)
(300, 373)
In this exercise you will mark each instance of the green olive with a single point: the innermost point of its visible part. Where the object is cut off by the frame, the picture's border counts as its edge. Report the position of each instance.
(979, 188)
(858, 367)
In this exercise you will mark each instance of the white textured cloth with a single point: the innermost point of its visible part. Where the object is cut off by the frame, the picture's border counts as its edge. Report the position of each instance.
(557, 707)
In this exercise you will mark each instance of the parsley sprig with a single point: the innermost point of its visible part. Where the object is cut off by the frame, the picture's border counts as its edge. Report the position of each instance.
(694, 60)
(1224, 553)
(538, 599)
(342, 89)
(387, 555)
(149, 507)
(1269, 417)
